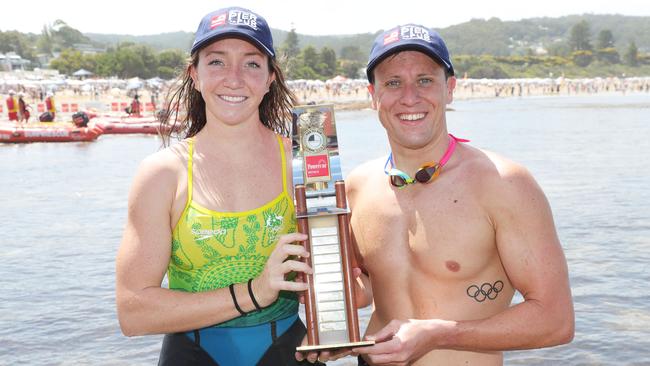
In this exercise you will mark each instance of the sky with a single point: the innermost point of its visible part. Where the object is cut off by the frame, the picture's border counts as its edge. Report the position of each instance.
(324, 17)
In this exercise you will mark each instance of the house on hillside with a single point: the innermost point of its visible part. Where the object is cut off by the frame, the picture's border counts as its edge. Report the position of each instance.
(88, 49)
(12, 61)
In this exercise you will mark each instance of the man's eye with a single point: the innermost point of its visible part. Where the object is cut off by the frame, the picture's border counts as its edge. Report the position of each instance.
(392, 83)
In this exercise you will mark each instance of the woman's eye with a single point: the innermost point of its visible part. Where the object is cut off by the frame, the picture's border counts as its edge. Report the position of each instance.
(253, 65)
(215, 62)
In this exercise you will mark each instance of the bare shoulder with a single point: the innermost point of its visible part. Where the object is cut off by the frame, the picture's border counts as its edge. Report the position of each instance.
(502, 183)
(364, 173)
(159, 172)
(498, 172)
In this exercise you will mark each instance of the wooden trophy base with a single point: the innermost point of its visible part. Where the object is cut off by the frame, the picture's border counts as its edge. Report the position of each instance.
(323, 347)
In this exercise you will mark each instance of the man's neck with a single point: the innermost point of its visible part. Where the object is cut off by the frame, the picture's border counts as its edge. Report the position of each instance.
(409, 160)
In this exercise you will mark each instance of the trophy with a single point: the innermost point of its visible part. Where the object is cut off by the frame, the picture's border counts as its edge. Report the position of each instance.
(321, 211)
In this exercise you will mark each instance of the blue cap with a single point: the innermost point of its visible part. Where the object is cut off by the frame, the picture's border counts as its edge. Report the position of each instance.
(409, 37)
(234, 22)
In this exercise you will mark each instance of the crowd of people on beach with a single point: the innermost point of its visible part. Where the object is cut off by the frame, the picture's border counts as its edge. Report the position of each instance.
(99, 93)
(472, 88)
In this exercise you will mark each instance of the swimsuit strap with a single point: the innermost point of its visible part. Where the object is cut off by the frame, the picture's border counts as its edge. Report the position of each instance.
(190, 153)
(284, 164)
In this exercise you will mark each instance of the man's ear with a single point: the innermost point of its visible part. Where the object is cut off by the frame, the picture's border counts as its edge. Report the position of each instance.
(371, 90)
(451, 85)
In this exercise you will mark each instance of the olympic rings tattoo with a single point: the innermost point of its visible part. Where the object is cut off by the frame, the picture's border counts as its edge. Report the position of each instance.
(486, 291)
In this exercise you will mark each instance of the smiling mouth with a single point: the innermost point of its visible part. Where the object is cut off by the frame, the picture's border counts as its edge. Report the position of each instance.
(411, 116)
(232, 99)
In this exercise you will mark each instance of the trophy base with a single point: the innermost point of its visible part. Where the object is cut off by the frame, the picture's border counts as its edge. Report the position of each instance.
(322, 347)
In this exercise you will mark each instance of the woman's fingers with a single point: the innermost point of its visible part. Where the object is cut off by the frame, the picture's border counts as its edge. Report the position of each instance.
(296, 266)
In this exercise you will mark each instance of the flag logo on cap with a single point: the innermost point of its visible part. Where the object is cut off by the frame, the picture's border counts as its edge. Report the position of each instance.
(234, 17)
(391, 37)
(217, 20)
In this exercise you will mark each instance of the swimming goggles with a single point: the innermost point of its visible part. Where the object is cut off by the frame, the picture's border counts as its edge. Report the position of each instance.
(427, 173)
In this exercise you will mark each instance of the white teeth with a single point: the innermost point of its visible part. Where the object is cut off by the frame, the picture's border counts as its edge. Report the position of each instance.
(411, 116)
(228, 98)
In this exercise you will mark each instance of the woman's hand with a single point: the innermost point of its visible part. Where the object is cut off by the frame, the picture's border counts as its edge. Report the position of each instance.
(282, 261)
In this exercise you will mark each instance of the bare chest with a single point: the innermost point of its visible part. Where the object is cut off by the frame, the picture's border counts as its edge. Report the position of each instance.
(440, 235)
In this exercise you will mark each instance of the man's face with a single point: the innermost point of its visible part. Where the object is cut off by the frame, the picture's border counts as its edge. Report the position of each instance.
(411, 94)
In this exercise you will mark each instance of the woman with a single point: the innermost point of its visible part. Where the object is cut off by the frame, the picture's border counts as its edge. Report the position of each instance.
(215, 211)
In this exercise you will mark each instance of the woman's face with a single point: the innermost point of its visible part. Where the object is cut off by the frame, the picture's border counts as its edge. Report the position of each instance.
(233, 76)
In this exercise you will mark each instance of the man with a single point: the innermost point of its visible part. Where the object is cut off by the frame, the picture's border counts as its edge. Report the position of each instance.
(12, 106)
(445, 251)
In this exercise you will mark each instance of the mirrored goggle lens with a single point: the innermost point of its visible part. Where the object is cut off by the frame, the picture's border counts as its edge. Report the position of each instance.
(398, 181)
(424, 175)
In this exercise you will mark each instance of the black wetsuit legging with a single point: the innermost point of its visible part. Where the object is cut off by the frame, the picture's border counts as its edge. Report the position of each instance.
(191, 348)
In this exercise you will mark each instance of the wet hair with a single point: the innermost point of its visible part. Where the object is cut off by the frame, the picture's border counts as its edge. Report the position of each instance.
(184, 106)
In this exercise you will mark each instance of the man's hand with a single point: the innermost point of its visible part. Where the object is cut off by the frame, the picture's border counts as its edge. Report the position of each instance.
(402, 342)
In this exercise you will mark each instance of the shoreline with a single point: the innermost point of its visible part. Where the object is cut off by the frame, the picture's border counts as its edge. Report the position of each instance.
(344, 96)
(355, 96)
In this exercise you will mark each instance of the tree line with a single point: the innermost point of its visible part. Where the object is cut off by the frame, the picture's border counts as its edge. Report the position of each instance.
(577, 56)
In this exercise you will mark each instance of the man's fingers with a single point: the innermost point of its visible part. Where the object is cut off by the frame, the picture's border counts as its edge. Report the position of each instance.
(386, 333)
(356, 272)
(378, 348)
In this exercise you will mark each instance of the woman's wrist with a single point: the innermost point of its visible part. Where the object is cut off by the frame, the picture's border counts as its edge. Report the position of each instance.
(262, 295)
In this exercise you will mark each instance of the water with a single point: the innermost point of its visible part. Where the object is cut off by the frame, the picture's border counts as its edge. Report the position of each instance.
(64, 207)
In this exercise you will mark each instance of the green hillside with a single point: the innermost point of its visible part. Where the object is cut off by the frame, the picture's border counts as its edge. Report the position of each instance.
(585, 45)
(476, 37)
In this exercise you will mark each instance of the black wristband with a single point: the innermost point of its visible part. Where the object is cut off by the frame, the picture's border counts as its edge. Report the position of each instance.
(250, 293)
(234, 299)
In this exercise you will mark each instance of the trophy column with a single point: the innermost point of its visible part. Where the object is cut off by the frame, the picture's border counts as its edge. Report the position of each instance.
(330, 309)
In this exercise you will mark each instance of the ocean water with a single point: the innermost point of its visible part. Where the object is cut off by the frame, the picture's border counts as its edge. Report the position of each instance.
(63, 207)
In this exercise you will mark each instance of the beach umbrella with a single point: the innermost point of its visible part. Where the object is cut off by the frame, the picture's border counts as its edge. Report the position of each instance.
(82, 73)
(134, 83)
(155, 82)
